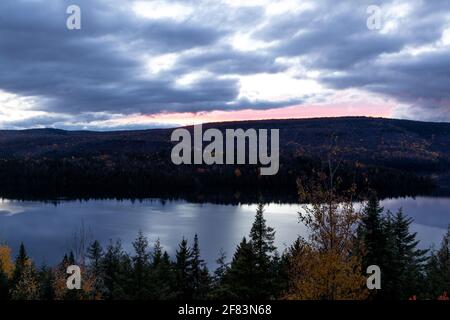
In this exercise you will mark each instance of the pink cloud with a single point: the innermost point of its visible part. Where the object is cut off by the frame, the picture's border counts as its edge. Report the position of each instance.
(343, 103)
(384, 110)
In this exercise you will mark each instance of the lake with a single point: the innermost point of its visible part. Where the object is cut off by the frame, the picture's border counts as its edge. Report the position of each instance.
(48, 229)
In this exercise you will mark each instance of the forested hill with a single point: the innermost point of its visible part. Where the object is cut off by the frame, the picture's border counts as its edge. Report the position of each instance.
(358, 137)
(35, 155)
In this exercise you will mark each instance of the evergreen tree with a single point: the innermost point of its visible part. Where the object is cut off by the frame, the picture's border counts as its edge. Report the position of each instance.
(117, 271)
(157, 254)
(438, 269)
(123, 289)
(254, 272)
(407, 264)
(71, 259)
(262, 237)
(60, 282)
(65, 261)
(110, 264)
(95, 256)
(218, 289)
(373, 236)
(443, 256)
(240, 280)
(288, 260)
(141, 267)
(183, 266)
(46, 279)
(222, 268)
(277, 277)
(163, 276)
(262, 242)
(200, 274)
(25, 285)
(434, 277)
(20, 264)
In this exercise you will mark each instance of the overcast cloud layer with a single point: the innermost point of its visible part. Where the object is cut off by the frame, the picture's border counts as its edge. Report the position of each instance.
(147, 57)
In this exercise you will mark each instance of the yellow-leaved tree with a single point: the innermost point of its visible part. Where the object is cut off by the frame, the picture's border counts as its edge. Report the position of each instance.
(6, 263)
(324, 266)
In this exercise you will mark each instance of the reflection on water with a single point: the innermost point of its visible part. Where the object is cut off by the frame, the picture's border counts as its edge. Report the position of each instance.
(47, 229)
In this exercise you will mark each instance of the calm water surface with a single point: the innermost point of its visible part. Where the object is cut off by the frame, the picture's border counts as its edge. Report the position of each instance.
(48, 230)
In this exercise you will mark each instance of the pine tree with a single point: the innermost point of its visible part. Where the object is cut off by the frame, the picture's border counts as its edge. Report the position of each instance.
(163, 276)
(407, 265)
(221, 270)
(438, 269)
(110, 265)
(277, 277)
(218, 290)
(25, 285)
(157, 254)
(372, 241)
(434, 277)
(141, 267)
(20, 264)
(123, 289)
(262, 242)
(71, 259)
(443, 256)
(254, 272)
(200, 275)
(95, 256)
(373, 235)
(46, 279)
(295, 249)
(183, 266)
(240, 280)
(59, 286)
(287, 262)
(117, 271)
(262, 237)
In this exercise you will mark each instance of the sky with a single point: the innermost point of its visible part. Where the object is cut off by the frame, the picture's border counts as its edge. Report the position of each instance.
(145, 64)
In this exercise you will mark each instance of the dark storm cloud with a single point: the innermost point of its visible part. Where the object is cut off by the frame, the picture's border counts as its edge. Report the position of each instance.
(98, 67)
(334, 38)
(226, 60)
(102, 68)
(422, 81)
(379, 62)
(35, 122)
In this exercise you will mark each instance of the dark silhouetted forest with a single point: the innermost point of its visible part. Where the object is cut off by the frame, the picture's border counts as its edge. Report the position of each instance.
(393, 157)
